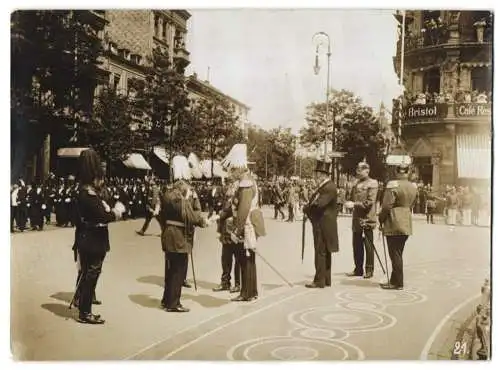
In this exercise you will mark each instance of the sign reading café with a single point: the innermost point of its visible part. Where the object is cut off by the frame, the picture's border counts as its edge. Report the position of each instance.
(472, 110)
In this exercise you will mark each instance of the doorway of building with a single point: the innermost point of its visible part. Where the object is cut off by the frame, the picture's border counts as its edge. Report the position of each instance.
(423, 167)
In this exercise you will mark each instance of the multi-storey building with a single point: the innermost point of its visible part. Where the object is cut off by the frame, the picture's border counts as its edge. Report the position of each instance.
(132, 35)
(198, 89)
(447, 107)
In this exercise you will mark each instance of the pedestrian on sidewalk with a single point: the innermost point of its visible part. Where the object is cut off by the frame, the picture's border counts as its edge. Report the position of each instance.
(395, 220)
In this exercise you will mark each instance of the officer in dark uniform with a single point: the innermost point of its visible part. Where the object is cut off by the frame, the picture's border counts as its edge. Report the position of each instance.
(322, 212)
(152, 207)
(229, 248)
(179, 217)
(70, 201)
(49, 197)
(37, 207)
(91, 234)
(195, 204)
(60, 205)
(396, 222)
(22, 206)
(364, 220)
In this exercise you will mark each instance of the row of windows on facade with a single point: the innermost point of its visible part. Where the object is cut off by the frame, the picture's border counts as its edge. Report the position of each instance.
(161, 30)
(122, 86)
(124, 53)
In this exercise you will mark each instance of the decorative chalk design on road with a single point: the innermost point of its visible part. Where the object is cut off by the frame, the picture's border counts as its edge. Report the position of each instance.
(294, 349)
(381, 297)
(443, 276)
(337, 318)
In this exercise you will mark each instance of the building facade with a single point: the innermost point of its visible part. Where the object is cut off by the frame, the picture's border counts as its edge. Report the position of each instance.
(132, 35)
(201, 90)
(446, 108)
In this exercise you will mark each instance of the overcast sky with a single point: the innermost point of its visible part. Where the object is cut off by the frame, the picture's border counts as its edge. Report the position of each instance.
(265, 58)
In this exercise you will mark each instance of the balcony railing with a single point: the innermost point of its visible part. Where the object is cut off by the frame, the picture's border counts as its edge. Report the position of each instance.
(416, 113)
(441, 36)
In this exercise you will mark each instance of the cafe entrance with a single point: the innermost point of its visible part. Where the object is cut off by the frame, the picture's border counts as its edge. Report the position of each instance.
(423, 169)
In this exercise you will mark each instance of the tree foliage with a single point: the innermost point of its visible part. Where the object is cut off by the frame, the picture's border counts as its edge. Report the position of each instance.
(273, 150)
(54, 72)
(163, 101)
(358, 132)
(109, 132)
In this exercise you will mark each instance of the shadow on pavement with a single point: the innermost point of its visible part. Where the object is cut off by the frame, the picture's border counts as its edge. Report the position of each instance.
(340, 274)
(272, 286)
(359, 282)
(204, 284)
(205, 300)
(63, 296)
(61, 310)
(145, 301)
(152, 279)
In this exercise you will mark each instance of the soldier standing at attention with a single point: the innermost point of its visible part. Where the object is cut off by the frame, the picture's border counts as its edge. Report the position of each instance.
(364, 220)
(91, 234)
(396, 223)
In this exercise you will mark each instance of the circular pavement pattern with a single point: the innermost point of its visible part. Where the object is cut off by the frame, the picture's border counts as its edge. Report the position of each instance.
(334, 318)
(323, 334)
(382, 297)
(294, 349)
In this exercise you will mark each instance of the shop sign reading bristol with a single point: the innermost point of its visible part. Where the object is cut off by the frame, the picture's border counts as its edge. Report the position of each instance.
(472, 110)
(422, 112)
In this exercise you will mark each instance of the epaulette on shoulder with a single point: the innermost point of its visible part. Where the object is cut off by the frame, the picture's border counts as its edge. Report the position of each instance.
(393, 184)
(373, 183)
(91, 192)
(246, 183)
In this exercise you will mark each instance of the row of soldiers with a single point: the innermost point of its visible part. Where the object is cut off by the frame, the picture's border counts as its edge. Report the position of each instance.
(33, 205)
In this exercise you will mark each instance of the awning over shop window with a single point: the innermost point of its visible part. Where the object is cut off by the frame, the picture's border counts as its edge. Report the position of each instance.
(136, 161)
(161, 153)
(206, 168)
(70, 152)
(474, 156)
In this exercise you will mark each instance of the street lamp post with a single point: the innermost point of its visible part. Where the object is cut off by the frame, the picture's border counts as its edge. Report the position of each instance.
(316, 71)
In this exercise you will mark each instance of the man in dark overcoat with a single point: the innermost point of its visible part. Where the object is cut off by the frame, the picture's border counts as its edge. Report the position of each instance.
(322, 212)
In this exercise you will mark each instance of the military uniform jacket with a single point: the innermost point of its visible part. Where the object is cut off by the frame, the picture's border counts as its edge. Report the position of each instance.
(395, 215)
(225, 225)
(322, 211)
(246, 210)
(364, 196)
(91, 234)
(179, 217)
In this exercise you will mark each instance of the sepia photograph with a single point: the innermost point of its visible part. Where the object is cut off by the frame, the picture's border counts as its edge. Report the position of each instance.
(251, 184)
